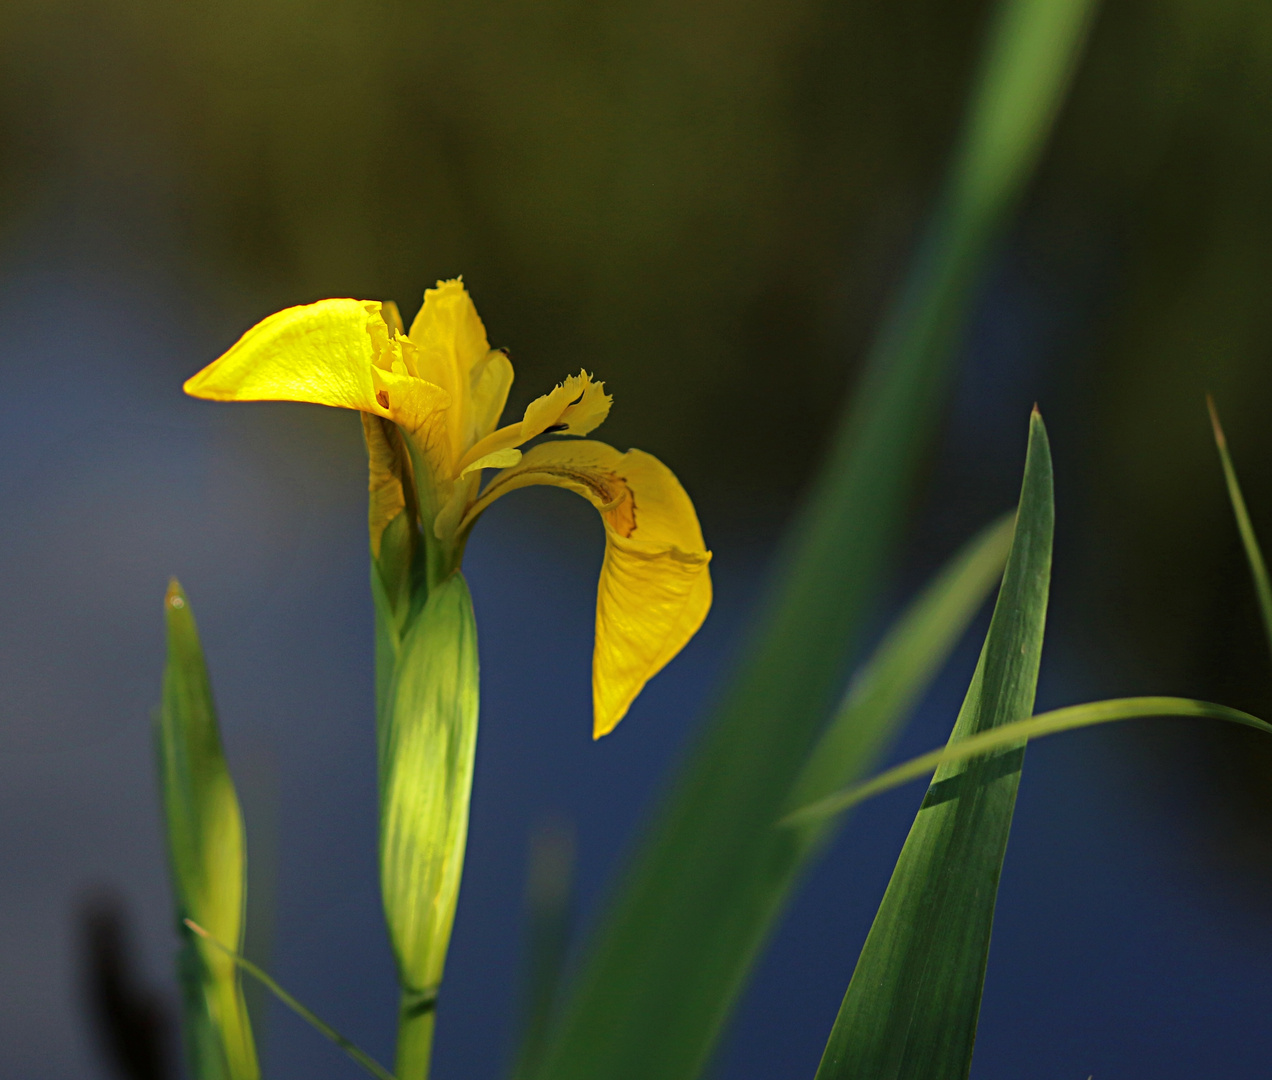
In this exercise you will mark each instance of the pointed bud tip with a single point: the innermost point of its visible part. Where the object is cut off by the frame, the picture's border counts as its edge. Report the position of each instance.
(175, 597)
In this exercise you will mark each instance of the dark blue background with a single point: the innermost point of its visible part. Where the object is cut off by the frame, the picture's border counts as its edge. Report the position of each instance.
(1115, 953)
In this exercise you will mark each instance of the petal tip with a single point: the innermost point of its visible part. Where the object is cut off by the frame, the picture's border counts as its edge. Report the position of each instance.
(603, 725)
(194, 385)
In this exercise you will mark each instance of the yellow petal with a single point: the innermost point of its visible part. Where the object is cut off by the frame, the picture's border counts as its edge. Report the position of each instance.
(451, 341)
(576, 407)
(650, 602)
(446, 523)
(388, 471)
(489, 383)
(655, 588)
(420, 409)
(321, 353)
(500, 459)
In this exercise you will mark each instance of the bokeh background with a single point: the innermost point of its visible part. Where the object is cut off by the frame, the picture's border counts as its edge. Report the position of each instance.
(709, 204)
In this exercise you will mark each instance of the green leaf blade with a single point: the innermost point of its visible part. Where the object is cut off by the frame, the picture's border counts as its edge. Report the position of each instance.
(912, 1005)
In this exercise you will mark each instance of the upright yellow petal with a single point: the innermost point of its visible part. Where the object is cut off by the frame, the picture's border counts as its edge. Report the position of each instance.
(488, 386)
(451, 342)
(321, 353)
(654, 589)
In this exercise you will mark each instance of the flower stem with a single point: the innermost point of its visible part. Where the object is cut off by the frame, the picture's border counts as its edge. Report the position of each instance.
(415, 1039)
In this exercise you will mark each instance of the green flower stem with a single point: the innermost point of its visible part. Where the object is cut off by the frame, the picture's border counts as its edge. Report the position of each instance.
(415, 1038)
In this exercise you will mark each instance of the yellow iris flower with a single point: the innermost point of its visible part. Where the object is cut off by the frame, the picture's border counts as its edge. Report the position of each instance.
(444, 389)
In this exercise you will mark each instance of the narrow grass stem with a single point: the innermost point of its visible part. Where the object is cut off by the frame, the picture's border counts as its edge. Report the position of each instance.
(359, 1055)
(1008, 735)
(1254, 554)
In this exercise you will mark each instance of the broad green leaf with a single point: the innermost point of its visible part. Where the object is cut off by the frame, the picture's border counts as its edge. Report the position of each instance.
(911, 1008)
(671, 955)
(206, 851)
(1254, 554)
(1070, 718)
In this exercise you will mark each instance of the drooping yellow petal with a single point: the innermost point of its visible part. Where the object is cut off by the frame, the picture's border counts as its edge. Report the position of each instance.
(654, 589)
(451, 341)
(321, 353)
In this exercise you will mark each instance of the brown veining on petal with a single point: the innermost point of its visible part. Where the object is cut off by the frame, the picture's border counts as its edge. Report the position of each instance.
(631, 506)
(610, 491)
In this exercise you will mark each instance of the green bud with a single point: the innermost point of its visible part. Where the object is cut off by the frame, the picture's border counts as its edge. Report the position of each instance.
(429, 734)
(206, 853)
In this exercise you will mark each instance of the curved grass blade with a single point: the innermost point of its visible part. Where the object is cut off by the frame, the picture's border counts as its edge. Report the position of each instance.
(886, 688)
(206, 851)
(911, 1008)
(670, 958)
(1254, 554)
(1070, 718)
(365, 1060)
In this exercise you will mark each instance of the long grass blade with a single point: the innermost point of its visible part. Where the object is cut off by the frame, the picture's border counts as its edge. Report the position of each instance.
(365, 1060)
(911, 1008)
(1070, 718)
(1254, 554)
(670, 958)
